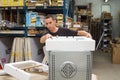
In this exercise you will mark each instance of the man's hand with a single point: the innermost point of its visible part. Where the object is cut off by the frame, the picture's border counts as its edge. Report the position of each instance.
(45, 37)
(48, 36)
(84, 33)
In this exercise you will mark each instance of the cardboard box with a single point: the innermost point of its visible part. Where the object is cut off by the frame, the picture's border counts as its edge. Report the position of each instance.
(15, 2)
(10, 2)
(78, 24)
(21, 2)
(4, 2)
(116, 53)
(1, 3)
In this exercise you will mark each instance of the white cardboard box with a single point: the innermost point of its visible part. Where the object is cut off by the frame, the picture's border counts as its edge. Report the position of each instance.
(70, 44)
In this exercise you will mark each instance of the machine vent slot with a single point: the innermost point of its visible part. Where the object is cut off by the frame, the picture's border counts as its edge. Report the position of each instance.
(52, 76)
(68, 69)
(88, 76)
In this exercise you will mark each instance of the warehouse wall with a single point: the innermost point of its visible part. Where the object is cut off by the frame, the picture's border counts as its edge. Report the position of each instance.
(36, 47)
(5, 46)
(96, 10)
(115, 7)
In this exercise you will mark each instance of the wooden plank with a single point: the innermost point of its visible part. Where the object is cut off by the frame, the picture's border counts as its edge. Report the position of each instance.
(29, 49)
(17, 55)
(28, 67)
(12, 55)
(21, 50)
(26, 49)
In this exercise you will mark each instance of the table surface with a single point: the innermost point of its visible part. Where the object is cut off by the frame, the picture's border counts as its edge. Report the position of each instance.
(38, 76)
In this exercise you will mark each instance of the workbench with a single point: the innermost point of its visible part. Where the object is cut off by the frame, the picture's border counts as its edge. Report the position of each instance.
(39, 76)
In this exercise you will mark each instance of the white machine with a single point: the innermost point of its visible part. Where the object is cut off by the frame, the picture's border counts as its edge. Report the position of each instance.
(70, 58)
(70, 44)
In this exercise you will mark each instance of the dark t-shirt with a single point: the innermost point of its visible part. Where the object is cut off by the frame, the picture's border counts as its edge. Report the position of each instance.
(64, 32)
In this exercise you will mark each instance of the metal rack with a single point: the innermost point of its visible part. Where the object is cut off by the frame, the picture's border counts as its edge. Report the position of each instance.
(48, 10)
(83, 16)
(106, 36)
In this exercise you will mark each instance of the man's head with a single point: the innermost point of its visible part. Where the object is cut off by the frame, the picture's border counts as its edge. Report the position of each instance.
(50, 22)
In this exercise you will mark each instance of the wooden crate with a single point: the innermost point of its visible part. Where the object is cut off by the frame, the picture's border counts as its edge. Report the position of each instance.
(116, 53)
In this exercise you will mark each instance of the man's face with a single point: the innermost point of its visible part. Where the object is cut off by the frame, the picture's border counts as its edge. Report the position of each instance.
(50, 23)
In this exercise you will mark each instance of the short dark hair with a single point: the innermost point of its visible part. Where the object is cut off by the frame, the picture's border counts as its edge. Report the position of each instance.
(50, 16)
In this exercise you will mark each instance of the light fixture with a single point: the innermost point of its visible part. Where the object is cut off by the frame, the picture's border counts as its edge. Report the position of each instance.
(106, 0)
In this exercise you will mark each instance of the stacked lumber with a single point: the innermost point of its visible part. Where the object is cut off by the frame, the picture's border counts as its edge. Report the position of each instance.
(21, 50)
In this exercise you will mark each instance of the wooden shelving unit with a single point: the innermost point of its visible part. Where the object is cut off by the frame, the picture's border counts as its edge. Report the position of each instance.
(84, 16)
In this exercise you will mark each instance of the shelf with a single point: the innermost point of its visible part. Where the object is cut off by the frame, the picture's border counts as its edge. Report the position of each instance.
(48, 10)
(84, 15)
(106, 23)
(36, 31)
(20, 31)
(12, 13)
(10, 33)
(11, 7)
(82, 6)
(106, 18)
(34, 35)
(16, 28)
(33, 27)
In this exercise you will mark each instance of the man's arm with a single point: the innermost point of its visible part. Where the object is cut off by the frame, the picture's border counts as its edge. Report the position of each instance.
(45, 37)
(84, 33)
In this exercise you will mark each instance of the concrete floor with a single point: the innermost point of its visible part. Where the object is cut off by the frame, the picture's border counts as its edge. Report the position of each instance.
(103, 67)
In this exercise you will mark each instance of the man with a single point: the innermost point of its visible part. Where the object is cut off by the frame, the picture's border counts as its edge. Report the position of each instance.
(50, 22)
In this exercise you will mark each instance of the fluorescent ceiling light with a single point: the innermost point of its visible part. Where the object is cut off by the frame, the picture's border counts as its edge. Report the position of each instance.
(106, 0)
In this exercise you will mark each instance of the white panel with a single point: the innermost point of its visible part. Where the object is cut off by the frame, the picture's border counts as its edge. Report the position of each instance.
(15, 69)
(70, 44)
